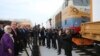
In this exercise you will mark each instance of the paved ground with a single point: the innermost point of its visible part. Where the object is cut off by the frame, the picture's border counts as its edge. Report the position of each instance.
(24, 53)
(48, 52)
(52, 52)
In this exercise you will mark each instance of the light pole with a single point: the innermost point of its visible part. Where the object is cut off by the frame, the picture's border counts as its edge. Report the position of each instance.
(50, 22)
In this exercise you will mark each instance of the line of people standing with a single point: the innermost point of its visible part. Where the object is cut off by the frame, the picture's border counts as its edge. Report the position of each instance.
(56, 38)
(15, 37)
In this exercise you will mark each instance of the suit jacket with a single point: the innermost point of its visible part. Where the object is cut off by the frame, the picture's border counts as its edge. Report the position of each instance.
(18, 34)
(22, 33)
(14, 35)
(67, 41)
(1, 33)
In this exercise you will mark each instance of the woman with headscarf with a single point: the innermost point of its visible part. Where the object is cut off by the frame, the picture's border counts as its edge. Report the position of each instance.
(7, 42)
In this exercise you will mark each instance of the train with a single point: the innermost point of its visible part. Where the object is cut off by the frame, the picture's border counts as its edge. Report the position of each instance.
(84, 20)
(72, 15)
(91, 30)
(74, 19)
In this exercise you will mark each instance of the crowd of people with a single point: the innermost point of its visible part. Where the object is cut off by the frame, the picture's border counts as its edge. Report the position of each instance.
(14, 38)
(55, 38)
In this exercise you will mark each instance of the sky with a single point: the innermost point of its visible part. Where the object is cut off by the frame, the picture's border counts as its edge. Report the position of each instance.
(96, 10)
(37, 11)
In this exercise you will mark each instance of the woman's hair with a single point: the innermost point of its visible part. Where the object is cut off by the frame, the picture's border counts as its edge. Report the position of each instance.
(6, 28)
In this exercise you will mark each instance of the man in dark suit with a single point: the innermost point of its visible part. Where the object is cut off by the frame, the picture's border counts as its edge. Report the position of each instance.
(60, 41)
(23, 36)
(19, 37)
(15, 36)
(26, 36)
(67, 42)
(54, 37)
(1, 31)
(49, 37)
(43, 36)
(35, 35)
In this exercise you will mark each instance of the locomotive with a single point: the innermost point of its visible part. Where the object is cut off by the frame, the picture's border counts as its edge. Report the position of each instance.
(72, 15)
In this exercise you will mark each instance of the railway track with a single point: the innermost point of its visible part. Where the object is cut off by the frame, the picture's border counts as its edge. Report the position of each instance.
(86, 50)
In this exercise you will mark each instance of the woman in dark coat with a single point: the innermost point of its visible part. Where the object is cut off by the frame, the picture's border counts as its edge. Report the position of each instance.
(7, 42)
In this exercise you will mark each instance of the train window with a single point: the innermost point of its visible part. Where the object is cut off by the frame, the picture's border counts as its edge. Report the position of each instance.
(81, 2)
(83, 21)
(88, 2)
(77, 2)
(85, 2)
(65, 22)
(66, 3)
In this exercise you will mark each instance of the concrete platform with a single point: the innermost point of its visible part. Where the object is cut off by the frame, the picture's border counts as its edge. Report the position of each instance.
(48, 52)
(52, 52)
